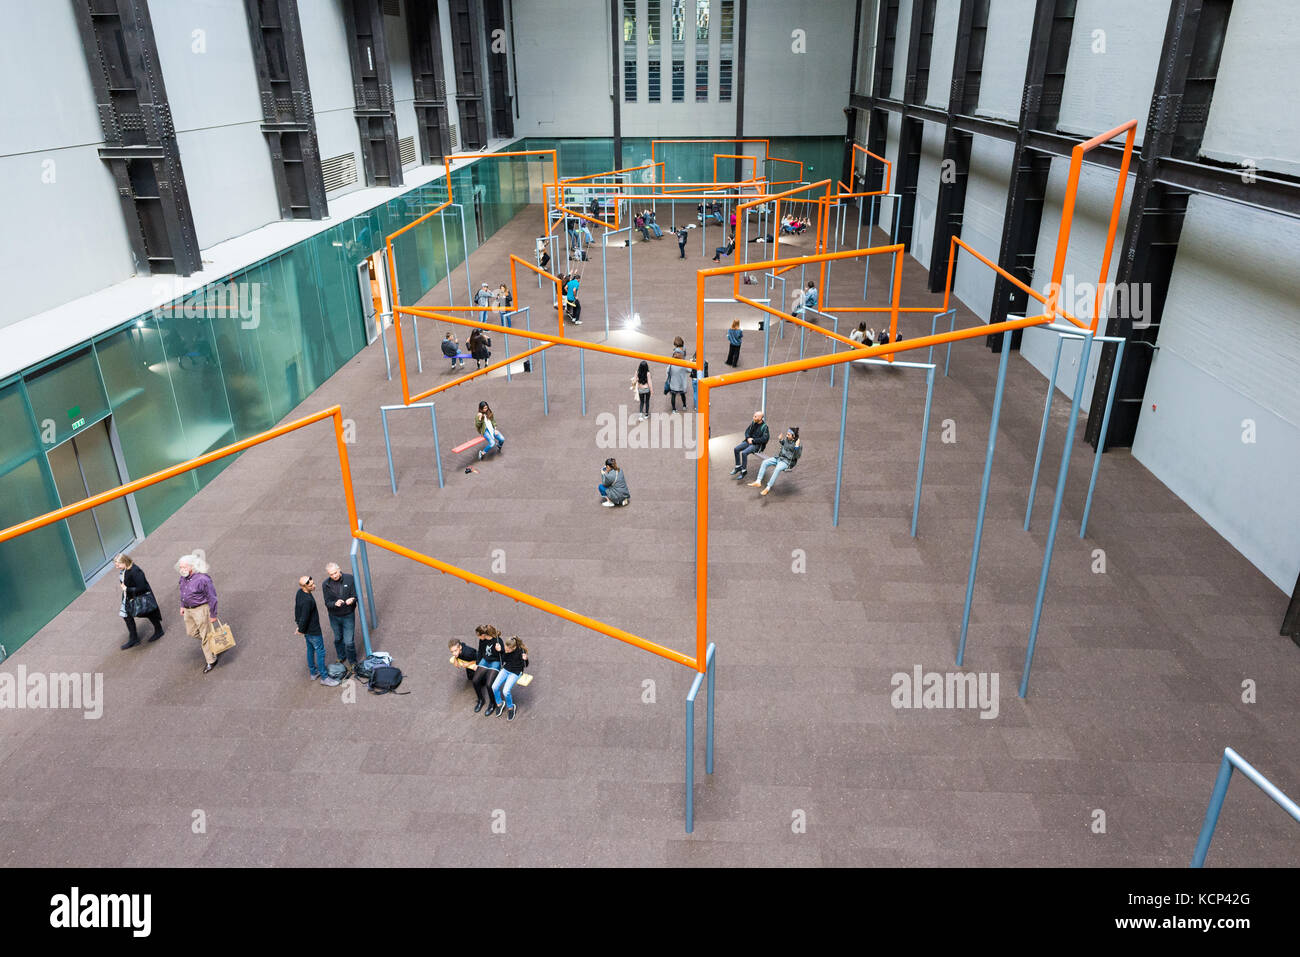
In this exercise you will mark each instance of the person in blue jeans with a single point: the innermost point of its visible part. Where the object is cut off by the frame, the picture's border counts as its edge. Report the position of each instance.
(339, 591)
(308, 621)
(783, 461)
(513, 662)
(613, 485)
(486, 424)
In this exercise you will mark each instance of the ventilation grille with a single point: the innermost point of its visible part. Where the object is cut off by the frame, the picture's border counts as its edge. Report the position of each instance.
(439, 89)
(406, 151)
(454, 137)
(392, 8)
(339, 171)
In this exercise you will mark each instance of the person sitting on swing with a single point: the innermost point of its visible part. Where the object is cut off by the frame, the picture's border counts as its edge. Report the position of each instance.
(805, 300)
(784, 460)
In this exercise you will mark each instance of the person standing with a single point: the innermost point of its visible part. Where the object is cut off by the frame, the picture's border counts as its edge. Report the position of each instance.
(756, 438)
(307, 619)
(198, 603)
(613, 485)
(137, 600)
(485, 421)
(641, 384)
(676, 380)
(340, 594)
(484, 296)
(681, 242)
(786, 459)
(734, 337)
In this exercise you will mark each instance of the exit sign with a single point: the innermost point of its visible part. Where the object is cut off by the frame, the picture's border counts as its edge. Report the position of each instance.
(78, 424)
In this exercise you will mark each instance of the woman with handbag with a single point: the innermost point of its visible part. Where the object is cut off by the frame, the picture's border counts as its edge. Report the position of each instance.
(137, 600)
(641, 386)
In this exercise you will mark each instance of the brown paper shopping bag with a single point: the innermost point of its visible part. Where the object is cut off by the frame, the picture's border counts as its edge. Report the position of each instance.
(220, 638)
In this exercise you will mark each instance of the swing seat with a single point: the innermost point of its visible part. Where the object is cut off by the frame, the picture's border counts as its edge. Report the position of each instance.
(524, 680)
(465, 446)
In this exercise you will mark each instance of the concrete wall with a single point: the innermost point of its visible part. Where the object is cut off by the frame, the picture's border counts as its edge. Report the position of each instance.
(927, 193)
(942, 51)
(893, 131)
(986, 206)
(1006, 55)
(329, 71)
(1111, 72)
(399, 67)
(59, 199)
(564, 76)
(798, 94)
(898, 82)
(1253, 115)
(1229, 351)
(206, 57)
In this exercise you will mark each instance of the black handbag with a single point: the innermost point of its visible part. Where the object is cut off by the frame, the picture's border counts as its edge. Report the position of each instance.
(141, 605)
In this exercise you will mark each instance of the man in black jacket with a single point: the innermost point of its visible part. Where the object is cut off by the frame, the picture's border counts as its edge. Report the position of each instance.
(756, 438)
(340, 594)
(307, 619)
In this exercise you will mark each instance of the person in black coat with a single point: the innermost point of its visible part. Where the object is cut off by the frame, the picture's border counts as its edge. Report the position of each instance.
(137, 600)
(307, 618)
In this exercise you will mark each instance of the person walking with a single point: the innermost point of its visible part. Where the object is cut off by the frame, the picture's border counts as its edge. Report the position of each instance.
(571, 295)
(641, 385)
(489, 665)
(734, 337)
(756, 439)
(339, 592)
(198, 603)
(307, 619)
(681, 242)
(676, 379)
(138, 600)
(613, 485)
(784, 460)
(513, 662)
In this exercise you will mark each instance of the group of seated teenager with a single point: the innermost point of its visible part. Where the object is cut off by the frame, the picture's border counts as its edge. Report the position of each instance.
(492, 668)
(790, 224)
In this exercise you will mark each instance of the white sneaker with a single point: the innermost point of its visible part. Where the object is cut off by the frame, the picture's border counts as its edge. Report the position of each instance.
(329, 682)
(606, 504)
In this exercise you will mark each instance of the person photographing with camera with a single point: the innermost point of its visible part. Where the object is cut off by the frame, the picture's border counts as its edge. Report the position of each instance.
(613, 485)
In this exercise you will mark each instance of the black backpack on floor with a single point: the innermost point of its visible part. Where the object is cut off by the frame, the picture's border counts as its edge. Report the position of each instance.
(385, 680)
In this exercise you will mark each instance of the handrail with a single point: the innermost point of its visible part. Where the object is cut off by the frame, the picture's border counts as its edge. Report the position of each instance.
(1231, 759)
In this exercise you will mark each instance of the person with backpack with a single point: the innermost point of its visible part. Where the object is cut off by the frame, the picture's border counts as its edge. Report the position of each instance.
(783, 461)
(734, 337)
(613, 485)
(485, 421)
(451, 349)
(756, 439)
(513, 662)
(490, 650)
(641, 385)
(307, 618)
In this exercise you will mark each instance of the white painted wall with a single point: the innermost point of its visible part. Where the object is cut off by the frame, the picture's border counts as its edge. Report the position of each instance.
(1006, 56)
(1087, 241)
(1104, 89)
(942, 50)
(893, 131)
(206, 58)
(867, 47)
(985, 209)
(59, 199)
(1229, 351)
(329, 72)
(563, 68)
(1253, 115)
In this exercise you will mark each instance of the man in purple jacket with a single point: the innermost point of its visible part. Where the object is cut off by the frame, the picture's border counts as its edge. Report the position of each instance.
(198, 603)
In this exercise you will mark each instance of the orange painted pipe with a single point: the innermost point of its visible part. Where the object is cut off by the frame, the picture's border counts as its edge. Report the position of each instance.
(478, 372)
(532, 601)
(67, 511)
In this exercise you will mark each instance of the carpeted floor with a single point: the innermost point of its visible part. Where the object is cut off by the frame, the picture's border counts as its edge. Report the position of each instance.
(1136, 688)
